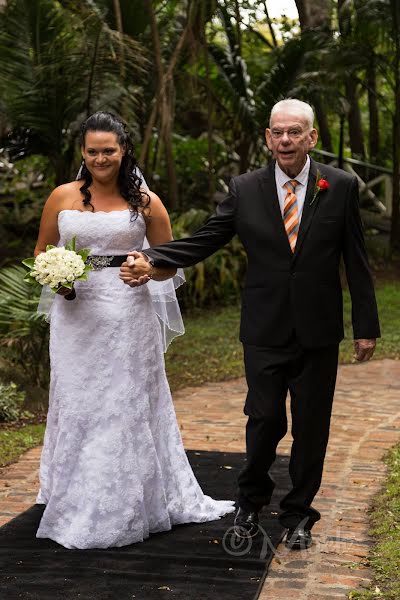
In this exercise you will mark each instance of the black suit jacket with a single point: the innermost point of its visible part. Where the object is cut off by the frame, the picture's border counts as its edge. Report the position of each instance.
(285, 291)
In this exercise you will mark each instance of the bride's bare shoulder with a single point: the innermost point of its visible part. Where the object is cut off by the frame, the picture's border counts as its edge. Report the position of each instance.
(66, 196)
(155, 201)
(68, 189)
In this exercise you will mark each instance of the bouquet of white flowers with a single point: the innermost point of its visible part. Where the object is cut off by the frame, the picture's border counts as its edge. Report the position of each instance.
(59, 267)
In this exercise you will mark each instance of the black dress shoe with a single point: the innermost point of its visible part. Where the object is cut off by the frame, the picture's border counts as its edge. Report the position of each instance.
(246, 523)
(298, 538)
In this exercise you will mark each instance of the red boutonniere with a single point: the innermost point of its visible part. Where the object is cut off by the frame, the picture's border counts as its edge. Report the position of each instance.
(320, 185)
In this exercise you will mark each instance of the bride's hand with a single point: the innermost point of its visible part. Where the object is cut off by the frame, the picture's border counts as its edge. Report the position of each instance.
(132, 272)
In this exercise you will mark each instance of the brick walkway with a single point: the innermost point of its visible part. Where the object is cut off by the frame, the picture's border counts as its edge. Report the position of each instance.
(365, 424)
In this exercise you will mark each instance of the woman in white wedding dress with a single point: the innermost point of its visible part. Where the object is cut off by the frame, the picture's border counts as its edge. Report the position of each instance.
(113, 467)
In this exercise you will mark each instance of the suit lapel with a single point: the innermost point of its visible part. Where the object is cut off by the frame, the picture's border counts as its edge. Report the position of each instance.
(308, 208)
(270, 200)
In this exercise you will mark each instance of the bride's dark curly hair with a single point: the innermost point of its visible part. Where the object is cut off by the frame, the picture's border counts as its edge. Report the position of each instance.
(129, 181)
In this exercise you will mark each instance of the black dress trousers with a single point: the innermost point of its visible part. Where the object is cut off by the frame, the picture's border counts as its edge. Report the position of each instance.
(310, 376)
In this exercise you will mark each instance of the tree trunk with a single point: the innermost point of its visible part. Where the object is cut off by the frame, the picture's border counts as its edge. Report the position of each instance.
(320, 12)
(303, 13)
(368, 43)
(238, 30)
(354, 117)
(122, 69)
(317, 14)
(163, 105)
(156, 106)
(118, 15)
(166, 137)
(211, 187)
(314, 13)
(60, 170)
(144, 151)
(355, 126)
(323, 125)
(341, 142)
(395, 224)
(62, 164)
(373, 111)
(244, 150)
(270, 27)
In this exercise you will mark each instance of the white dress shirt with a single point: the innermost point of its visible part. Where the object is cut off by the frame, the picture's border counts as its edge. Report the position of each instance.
(302, 179)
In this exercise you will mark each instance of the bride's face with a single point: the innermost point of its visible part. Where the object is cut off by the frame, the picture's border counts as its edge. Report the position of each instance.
(102, 154)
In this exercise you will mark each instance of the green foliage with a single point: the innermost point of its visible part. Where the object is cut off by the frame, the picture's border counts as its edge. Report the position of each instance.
(190, 155)
(135, 17)
(58, 64)
(24, 187)
(23, 333)
(209, 351)
(385, 519)
(11, 402)
(61, 60)
(216, 280)
(192, 168)
(13, 442)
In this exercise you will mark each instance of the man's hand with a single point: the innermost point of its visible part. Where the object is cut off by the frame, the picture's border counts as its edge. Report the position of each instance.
(364, 349)
(136, 270)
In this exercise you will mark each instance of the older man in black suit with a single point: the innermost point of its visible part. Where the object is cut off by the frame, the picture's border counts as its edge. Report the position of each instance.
(296, 219)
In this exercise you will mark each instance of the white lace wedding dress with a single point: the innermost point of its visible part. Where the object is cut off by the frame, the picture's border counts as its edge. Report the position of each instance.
(113, 467)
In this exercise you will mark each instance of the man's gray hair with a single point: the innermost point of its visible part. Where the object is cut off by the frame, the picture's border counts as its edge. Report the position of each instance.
(296, 107)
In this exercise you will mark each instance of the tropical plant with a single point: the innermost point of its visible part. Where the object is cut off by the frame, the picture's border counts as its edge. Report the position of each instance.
(59, 63)
(23, 332)
(24, 188)
(216, 280)
(11, 402)
(214, 69)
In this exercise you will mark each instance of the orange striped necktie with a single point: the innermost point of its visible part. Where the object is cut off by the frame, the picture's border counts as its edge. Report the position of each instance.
(290, 213)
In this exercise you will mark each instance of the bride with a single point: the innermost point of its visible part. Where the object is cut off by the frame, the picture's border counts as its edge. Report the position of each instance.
(113, 467)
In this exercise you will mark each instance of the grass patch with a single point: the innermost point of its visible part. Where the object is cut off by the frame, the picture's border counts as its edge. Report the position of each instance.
(13, 442)
(385, 521)
(388, 346)
(210, 349)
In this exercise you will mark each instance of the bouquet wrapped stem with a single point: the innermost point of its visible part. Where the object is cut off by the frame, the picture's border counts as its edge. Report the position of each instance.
(59, 267)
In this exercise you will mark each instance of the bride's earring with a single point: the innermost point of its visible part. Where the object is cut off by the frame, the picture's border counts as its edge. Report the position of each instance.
(80, 171)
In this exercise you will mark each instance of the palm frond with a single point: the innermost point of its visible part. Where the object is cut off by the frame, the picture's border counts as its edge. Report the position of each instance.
(18, 304)
(57, 66)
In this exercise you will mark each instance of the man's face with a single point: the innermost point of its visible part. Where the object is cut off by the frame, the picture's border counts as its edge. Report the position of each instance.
(290, 138)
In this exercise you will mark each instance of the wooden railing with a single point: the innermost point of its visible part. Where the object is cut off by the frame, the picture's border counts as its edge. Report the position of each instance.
(379, 176)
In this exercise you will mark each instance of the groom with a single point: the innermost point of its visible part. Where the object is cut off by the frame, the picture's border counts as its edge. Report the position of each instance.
(296, 219)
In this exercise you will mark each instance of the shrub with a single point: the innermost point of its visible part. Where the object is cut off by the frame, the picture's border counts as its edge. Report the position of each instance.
(23, 190)
(218, 279)
(11, 402)
(23, 333)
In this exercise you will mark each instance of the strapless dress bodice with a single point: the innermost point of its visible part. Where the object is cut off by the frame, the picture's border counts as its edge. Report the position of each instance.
(105, 233)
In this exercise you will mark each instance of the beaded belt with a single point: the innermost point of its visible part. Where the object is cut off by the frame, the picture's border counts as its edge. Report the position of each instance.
(99, 262)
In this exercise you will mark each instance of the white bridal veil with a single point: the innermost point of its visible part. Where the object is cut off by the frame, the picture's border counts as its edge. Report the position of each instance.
(163, 296)
(164, 299)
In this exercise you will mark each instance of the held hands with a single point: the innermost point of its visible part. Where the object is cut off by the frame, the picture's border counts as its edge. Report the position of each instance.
(136, 270)
(364, 349)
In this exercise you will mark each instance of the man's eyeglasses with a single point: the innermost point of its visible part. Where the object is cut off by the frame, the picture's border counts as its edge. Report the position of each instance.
(293, 134)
